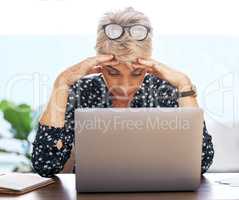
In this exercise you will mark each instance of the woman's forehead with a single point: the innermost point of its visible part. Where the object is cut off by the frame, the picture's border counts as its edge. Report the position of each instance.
(124, 66)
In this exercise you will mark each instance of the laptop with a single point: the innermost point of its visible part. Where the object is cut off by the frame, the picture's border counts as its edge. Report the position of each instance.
(138, 149)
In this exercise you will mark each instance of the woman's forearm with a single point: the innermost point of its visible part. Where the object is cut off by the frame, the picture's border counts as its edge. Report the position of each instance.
(207, 145)
(54, 114)
(53, 143)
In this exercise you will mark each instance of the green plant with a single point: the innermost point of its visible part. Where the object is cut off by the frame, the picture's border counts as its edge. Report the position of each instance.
(22, 120)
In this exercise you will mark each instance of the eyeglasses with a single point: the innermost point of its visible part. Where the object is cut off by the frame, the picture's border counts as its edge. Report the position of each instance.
(115, 31)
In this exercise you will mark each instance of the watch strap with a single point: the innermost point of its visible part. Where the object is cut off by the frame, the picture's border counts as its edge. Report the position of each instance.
(186, 93)
(190, 92)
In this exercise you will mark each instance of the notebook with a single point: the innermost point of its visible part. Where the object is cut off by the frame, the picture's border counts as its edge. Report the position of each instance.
(20, 183)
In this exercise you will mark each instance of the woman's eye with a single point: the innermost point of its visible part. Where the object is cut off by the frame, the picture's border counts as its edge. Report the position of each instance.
(137, 73)
(113, 73)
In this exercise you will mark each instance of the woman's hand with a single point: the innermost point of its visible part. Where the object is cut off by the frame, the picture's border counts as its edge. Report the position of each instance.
(174, 77)
(54, 114)
(87, 66)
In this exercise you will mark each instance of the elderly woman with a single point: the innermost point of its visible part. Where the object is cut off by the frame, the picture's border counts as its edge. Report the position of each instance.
(123, 74)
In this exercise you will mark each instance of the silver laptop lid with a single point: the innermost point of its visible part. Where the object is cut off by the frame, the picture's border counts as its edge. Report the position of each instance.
(138, 149)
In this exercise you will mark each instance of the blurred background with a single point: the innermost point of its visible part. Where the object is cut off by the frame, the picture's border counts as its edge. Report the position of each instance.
(40, 38)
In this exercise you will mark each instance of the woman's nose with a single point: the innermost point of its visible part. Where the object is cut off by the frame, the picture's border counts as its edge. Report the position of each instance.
(126, 83)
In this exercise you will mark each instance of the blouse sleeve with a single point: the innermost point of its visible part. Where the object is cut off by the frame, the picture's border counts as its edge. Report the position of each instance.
(168, 98)
(47, 159)
(207, 150)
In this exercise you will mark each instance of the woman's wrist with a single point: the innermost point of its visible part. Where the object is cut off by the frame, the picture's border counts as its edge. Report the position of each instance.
(68, 78)
(184, 85)
(189, 101)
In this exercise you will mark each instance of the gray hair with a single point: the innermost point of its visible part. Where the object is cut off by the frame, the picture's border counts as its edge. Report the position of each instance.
(125, 49)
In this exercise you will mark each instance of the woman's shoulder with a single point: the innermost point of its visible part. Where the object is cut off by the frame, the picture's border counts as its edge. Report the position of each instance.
(87, 82)
(163, 87)
(158, 82)
(82, 89)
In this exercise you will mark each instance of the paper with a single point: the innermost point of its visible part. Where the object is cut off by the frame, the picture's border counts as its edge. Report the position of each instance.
(234, 182)
(21, 181)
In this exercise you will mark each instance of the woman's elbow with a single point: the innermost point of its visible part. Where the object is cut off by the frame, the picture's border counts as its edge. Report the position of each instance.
(45, 167)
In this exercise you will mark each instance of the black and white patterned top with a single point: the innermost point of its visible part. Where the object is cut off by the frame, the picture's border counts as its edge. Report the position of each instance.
(91, 91)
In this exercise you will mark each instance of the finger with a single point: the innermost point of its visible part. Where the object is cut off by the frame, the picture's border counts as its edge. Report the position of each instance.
(138, 65)
(113, 62)
(149, 63)
(98, 68)
(93, 61)
(152, 63)
(95, 69)
(150, 70)
(159, 67)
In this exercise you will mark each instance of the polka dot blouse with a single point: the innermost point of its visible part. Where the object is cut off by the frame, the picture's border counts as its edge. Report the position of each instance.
(91, 91)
